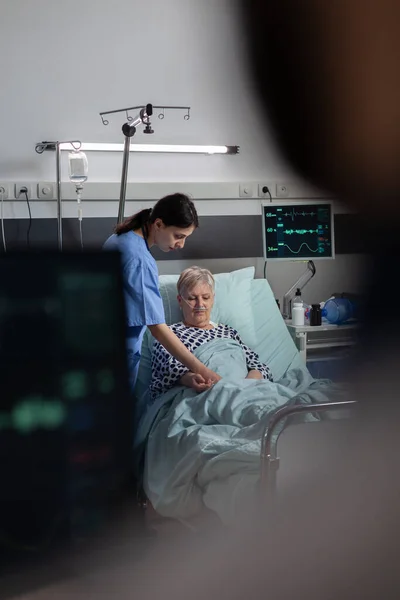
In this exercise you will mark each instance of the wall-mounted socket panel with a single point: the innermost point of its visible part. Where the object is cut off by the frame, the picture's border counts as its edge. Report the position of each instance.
(246, 190)
(263, 189)
(45, 190)
(19, 194)
(4, 191)
(282, 190)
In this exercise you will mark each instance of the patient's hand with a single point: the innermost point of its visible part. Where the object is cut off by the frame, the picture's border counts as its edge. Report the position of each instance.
(254, 375)
(196, 382)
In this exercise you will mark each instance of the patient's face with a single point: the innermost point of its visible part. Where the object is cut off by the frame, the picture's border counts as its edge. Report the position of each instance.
(196, 305)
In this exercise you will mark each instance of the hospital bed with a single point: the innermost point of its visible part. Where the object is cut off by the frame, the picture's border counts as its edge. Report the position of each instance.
(249, 306)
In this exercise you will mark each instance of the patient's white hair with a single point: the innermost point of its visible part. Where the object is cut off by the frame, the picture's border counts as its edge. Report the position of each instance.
(192, 276)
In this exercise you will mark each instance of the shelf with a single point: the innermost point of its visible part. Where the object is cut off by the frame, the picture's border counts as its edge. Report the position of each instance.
(324, 327)
(328, 354)
(324, 342)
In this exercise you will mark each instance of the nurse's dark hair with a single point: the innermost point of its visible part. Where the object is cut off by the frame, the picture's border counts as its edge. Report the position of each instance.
(174, 210)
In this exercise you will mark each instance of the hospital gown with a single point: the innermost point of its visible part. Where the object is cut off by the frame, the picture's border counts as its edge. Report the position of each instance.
(143, 302)
(167, 370)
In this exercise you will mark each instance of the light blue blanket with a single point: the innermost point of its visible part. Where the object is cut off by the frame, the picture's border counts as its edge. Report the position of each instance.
(195, 441)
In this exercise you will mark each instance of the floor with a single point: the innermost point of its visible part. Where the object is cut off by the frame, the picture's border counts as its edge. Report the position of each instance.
(131, 539)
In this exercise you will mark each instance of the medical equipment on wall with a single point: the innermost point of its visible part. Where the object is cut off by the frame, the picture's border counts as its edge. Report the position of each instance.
(129, 130)
(297, 230)
(78, 174)
(299, 284)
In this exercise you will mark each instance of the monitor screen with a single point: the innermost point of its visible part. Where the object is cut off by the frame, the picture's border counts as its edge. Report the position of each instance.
(65, 409)
(298, 231)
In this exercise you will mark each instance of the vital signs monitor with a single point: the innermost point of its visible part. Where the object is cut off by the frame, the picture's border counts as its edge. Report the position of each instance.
(298, 230)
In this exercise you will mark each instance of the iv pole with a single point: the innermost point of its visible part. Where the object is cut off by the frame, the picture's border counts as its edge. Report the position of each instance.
(129, 130)
(40, 148)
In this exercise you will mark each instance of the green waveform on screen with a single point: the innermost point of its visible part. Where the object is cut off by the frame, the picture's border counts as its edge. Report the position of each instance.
(76, 384)
(38, 412)
(300, 231)
(34, 413)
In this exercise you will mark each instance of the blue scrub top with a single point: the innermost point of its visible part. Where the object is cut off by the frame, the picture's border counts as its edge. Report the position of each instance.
(143, 301)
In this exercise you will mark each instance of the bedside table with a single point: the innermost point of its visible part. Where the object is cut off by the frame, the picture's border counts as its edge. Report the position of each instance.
(321, 339)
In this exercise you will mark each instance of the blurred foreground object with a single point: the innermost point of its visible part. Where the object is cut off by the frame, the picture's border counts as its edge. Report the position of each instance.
(328, 75)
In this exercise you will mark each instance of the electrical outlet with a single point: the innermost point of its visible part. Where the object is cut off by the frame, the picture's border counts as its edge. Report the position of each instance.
(282, 190)
(45, 191)
(19, 194)
(246, 190)
(263, 190)
(4, 191)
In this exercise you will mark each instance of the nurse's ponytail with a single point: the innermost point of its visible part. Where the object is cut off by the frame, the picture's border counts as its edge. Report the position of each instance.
(139, 221)
(175, 210)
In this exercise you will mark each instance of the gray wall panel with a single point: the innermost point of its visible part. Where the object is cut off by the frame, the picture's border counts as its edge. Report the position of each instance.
(217, 236)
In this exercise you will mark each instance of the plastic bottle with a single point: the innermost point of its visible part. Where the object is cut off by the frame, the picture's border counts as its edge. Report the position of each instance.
(315, 315)
(337, 310)
(297, 310)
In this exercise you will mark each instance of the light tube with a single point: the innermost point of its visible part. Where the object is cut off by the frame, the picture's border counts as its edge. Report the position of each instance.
(156, 148)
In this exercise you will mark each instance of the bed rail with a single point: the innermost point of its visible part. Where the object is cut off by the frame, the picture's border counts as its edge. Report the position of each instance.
(269, 460)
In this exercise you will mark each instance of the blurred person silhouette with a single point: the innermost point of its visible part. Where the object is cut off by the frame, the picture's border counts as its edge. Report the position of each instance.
(327, 77)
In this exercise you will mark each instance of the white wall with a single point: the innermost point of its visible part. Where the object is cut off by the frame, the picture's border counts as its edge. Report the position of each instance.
(61, 63)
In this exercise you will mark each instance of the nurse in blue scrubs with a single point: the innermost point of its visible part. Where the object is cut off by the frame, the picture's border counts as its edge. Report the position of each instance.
(171, 221)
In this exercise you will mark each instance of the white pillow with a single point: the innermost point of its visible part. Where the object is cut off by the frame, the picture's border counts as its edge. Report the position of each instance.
(263, 329)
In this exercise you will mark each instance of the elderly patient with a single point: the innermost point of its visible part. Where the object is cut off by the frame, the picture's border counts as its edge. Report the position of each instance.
(196, 299)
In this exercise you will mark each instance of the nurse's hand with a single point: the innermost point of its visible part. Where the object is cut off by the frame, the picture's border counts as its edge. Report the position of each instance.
(196, 382)
(209, 374)
(175, 346)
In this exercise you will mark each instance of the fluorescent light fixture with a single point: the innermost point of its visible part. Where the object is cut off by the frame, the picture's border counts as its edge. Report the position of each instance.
(158, 148)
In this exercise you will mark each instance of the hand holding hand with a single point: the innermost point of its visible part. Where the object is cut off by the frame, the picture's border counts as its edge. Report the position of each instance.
(196, 382)
(209, 374)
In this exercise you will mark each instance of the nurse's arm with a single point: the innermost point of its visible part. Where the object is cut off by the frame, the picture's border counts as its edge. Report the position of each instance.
(167, 338)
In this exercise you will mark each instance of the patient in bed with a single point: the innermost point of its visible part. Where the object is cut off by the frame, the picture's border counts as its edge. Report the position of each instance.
(196, 299)
(203, 449)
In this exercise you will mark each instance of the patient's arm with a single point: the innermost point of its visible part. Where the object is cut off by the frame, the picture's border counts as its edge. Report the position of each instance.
(253, 361)
(166, 370)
